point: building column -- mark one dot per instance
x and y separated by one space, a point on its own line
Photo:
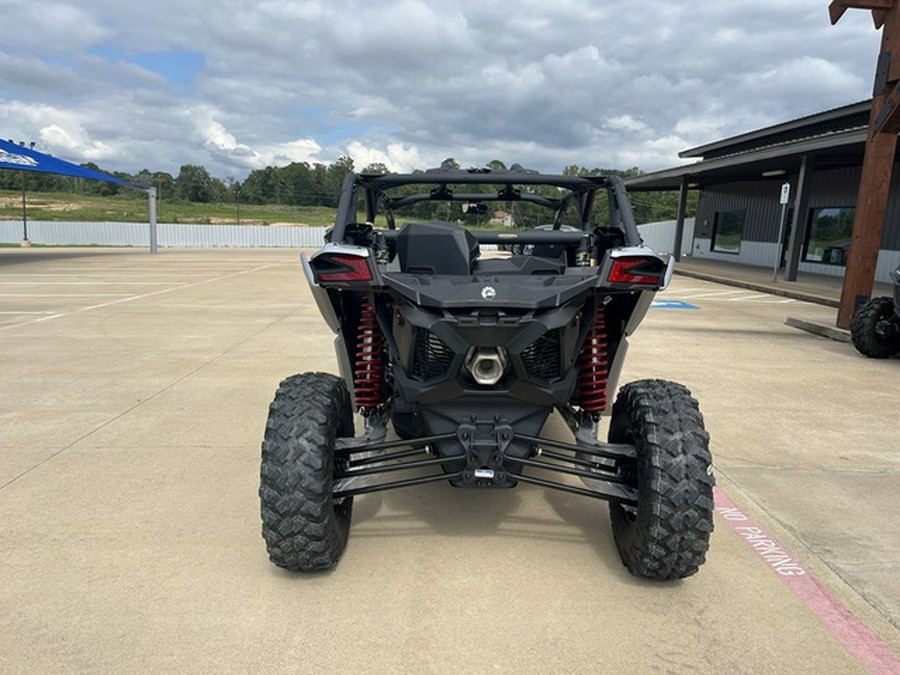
798 230
878 161
679 222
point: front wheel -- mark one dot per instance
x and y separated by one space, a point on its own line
872 331
666 536
304 527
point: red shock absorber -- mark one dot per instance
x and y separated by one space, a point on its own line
594 375
369 371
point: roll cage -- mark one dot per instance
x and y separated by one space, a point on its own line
577 191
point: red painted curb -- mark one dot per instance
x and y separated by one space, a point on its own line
843 624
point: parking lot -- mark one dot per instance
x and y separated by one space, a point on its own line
133 397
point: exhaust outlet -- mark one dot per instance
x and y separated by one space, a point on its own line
486 365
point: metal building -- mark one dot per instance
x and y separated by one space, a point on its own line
741 182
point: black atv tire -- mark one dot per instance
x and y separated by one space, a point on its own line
304 529
864 329
666 536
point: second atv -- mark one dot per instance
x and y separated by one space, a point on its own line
875 329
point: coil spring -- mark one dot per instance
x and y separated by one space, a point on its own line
368 379
594 375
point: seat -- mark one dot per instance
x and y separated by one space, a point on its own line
436 247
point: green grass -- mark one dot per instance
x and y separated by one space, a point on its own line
133 208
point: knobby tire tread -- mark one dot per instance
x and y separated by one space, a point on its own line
668 537
303 528
862 329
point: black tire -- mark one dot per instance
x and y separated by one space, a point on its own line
304 529
866 329
666 536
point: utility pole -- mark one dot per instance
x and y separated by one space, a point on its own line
878 163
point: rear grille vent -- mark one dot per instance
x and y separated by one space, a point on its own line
432 358
542 357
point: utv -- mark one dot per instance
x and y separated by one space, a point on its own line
464 352
875 329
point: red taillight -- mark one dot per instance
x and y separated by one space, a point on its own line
341 267
643 271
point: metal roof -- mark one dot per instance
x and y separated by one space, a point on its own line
835 138
833 120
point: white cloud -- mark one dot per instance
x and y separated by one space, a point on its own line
410 82
396 157
50 27
73 140
806 74
53 130
661 151
300 150
625 123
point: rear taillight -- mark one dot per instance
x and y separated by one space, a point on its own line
637 271
341 267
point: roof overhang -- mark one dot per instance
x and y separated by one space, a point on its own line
833 150
835 114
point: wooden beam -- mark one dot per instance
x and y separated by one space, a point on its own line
888 119
837 8
871 208
874 187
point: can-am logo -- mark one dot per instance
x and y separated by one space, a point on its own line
21 160
488 292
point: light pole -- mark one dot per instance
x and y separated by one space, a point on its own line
25 242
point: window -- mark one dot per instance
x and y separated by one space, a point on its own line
728 231
829 235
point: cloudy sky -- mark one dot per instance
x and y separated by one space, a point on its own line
236 85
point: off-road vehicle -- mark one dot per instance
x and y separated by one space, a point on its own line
454 355
875 329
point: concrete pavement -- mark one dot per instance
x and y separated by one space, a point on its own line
818 289
133 396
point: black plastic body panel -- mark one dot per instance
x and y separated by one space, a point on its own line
436 248
443 305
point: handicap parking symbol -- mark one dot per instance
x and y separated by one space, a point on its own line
672 304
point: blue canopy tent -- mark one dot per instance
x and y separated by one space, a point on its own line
22 158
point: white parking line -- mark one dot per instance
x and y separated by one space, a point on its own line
124 272
131 298
74 271
682 290
749 297
66 295
83 283
710 295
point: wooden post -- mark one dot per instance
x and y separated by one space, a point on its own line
878 163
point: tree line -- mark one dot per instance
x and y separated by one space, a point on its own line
305 184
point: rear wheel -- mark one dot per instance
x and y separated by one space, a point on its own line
666 536
304 528
872 331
